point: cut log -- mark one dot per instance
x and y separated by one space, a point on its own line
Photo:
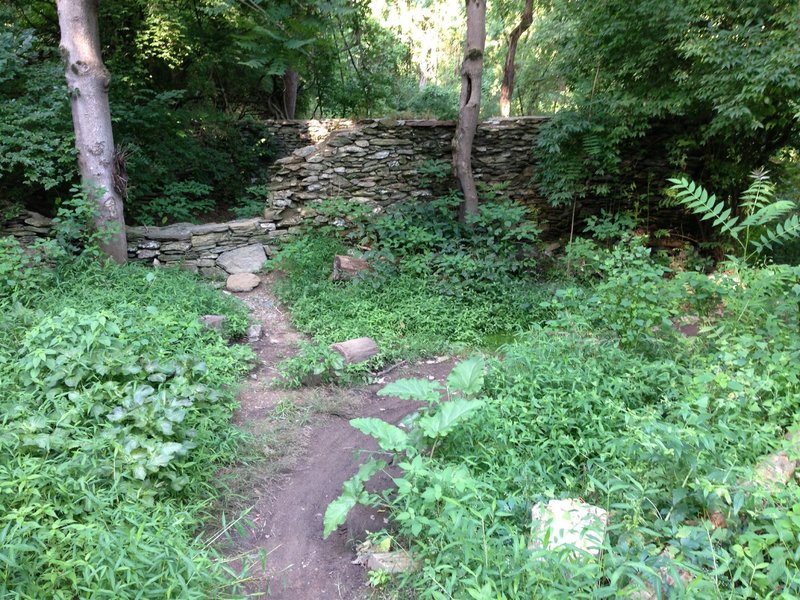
356 350
347 267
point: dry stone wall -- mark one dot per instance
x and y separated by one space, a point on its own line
378 162
211 249
291 135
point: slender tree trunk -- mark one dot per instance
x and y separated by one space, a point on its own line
87 82
470 105
291 80
509 68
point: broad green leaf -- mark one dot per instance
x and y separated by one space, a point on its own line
447 416
336 514
467 376
389 437
413 389
352 492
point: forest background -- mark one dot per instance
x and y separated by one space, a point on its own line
638 92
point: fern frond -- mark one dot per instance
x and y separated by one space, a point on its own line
783 232
758 195
768 214
697 199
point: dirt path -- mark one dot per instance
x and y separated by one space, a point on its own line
310 450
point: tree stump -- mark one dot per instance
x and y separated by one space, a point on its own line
356 350
346 268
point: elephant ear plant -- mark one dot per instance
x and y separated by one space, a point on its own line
443 410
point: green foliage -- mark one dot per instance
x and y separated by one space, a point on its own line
114 410
21 274
182 201
607 402
36 140
426 427
313 364
419 299
491 251
207 164
761 224
697 85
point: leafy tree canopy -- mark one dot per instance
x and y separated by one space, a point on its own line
710 86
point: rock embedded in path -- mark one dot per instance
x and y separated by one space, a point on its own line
356 350
242 282
247 259
254 332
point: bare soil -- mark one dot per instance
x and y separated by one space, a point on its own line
308 450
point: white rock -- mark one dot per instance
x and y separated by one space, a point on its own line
569 522
247 259
242 282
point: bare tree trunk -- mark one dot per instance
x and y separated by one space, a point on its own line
291 80
87 82
470 105
509 68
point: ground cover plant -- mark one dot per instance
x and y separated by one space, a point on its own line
603 398
114 414
435 284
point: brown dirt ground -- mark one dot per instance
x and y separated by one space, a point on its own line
309 450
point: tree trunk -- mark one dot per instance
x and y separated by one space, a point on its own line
291 80
470 105
87 82
509 68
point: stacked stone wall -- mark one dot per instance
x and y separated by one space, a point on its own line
209 249
381 161
375 162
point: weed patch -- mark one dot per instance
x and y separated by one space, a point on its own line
607 402
436 285
114 408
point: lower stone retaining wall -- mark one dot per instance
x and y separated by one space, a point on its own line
213 249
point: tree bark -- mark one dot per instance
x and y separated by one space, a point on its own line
509 68
470 105
87 82
291 80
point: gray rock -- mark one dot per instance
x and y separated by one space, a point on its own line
247 259
208 240
242 282
213 321
244 225
36 220
305 151
209 228
254 332
176 246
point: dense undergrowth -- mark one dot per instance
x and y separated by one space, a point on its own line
436 284
115 406
600 396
